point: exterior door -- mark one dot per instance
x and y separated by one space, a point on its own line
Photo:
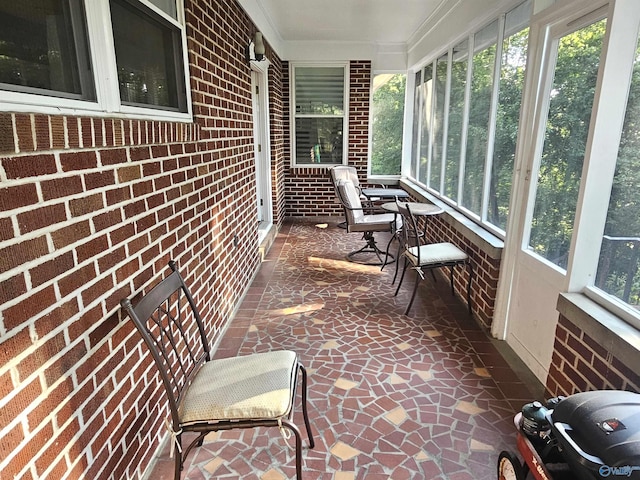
542 240
262 147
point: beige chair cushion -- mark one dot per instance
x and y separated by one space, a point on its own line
435 253
373 223
345 172
351 198
357 221
255 386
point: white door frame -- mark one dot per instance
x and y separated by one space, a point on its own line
262 146
540 67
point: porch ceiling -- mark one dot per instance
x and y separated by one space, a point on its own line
370 21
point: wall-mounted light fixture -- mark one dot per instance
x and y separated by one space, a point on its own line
255 49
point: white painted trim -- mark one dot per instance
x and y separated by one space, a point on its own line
260 78
407 127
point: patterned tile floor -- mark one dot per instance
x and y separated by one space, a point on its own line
425 396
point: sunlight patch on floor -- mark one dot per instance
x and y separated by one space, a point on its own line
297 309
345 265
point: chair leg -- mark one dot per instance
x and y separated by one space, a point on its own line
305 413
453 290
415 290
404 269
178 458
370 247
398 253
386 252
470 268
296 433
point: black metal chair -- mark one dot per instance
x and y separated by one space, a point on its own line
211 395
423 257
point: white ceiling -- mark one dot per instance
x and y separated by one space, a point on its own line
394 34
370 21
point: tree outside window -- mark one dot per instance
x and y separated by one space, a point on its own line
388 116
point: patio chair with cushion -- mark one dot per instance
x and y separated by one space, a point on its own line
366 220
340 173
206 395
423 257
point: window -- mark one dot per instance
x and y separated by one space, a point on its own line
455 139
387 122
483 66
439 123
54 54
319 116
617 275
425 134
416 127
469 104
148 57
512 69
44 49
567 128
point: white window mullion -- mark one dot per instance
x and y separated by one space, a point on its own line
185 54
445 122
421 103
407 124
432 116
102 54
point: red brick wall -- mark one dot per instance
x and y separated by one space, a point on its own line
486 270
91 210
308 191
580 363
278 105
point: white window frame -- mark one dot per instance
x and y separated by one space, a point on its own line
292 115
105 75
614 81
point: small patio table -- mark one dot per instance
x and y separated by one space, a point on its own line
375 193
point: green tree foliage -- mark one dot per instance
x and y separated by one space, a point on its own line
567 128
388 115
512 71
456 119
618 267
477 131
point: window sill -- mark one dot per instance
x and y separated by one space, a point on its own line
613 333
307 166
486 241
41 104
